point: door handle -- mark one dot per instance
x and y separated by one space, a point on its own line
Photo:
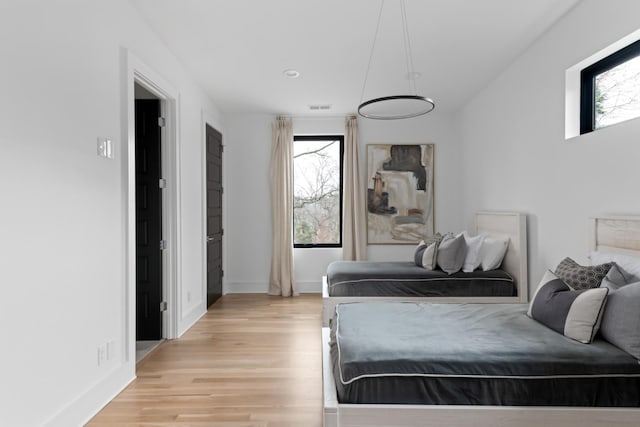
210 239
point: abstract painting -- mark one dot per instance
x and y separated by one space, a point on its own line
399 193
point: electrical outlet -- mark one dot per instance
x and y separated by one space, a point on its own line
102 354
111 348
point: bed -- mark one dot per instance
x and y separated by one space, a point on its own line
610 234
363 280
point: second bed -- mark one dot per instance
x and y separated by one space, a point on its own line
351 281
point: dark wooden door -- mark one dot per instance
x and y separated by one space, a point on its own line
148 221
214 215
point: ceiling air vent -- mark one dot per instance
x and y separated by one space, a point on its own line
320 107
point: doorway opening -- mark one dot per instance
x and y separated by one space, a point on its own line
150 244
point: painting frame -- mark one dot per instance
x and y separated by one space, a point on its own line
400 199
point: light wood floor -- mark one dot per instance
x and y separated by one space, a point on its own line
253 360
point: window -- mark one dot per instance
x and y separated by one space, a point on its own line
317 191
610 90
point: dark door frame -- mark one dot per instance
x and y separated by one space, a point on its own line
138 72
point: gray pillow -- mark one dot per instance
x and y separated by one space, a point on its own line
580 276
574 314
451 253
617 277
621 319
426 255
419 253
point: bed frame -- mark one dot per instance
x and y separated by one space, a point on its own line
611 234
615 234
495 224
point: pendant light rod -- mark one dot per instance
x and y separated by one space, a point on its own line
408 54
373 45
395 106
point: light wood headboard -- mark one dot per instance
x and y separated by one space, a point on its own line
514 226
615 234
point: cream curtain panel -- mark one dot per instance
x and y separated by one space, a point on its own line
354 246
281 280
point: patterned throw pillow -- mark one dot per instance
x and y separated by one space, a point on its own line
574 314
582 277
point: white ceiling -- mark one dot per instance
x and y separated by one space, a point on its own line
237 49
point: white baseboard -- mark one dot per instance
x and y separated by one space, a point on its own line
189 319
86 406
304 287
309 287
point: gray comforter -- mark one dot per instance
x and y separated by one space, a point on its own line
396 279
404 352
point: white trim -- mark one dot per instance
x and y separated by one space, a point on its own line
80 410
309 286
188 319
248 287
304 287
138 72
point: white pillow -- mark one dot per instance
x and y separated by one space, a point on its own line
492 252
628 263
474 244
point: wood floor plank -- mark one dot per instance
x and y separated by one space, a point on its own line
251 361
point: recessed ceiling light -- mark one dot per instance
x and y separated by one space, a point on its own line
291 73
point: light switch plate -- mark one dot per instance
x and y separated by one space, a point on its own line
105 148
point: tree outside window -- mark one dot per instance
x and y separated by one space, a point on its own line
317 191
617 96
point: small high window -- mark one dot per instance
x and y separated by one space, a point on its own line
610 90
317 191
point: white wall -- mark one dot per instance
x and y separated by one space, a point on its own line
247 212
248 234
515 154
62 211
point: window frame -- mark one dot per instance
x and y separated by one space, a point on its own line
333 137
588 79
